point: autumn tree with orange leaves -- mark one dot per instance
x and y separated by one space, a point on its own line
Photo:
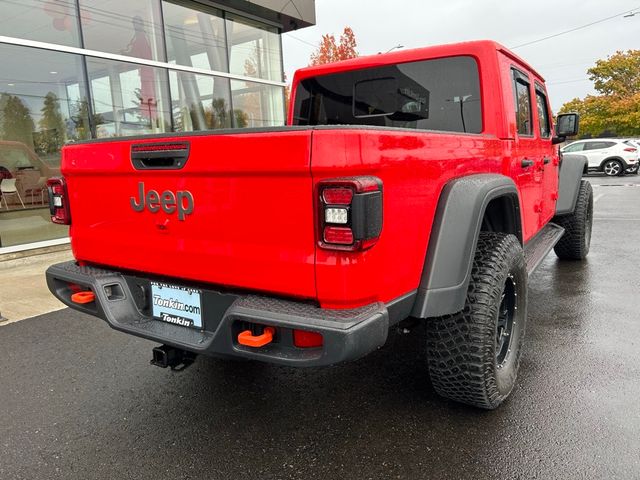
615 110
331 51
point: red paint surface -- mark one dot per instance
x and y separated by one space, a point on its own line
254 223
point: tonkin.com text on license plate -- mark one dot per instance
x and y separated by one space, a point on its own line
177 305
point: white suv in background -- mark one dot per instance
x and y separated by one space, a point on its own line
613 156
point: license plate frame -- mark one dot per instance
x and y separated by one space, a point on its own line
177 305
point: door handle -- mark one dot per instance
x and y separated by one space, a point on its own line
526 163
547 160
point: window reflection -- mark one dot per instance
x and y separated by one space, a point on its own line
43 105
195 38
199 102
125 27
254 49
42 100
52 21
128 99
257 105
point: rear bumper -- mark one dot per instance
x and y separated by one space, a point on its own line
347 334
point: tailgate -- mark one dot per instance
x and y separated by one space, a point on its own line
238 213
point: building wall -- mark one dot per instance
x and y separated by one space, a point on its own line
79 69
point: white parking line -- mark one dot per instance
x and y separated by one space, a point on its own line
598 197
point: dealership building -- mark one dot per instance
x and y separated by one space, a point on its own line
74 70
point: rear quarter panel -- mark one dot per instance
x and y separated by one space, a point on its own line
414 167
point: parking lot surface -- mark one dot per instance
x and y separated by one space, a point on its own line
78 400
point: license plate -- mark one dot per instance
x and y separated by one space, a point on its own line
177 305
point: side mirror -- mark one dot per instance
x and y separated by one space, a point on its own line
566 126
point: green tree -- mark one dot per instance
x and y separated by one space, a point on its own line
16 123
616 108
218 115
80 119
52 125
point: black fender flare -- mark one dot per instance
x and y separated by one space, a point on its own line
453 240
571 169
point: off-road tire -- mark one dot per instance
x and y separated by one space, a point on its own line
575 243
462 349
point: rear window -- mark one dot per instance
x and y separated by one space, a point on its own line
14 159
441 94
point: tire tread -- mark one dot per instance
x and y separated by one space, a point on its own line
461 347
572 245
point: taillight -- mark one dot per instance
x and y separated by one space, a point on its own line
350 216
629 149
58 201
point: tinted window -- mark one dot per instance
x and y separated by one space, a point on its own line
543 113
598 145
574 147
522 102
441 94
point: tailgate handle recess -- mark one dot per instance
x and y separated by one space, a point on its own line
159 156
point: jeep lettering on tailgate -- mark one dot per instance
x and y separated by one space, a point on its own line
422 185
169 202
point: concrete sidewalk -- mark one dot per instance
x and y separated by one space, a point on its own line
23 288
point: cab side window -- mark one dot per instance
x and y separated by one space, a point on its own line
543 112
522 101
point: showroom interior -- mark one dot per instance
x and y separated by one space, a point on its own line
76 70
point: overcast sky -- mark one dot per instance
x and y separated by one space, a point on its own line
563 61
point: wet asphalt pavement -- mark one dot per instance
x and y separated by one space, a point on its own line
80 401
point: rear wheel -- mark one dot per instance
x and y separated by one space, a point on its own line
612 168
576 241
474 355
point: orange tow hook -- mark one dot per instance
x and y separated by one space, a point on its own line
247 339
83 297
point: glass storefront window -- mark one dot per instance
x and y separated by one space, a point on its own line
199 102
195 38
43 105
49 98
124 27
128 99
257 105
254 49
51 21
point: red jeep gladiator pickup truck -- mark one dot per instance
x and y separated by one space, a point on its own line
420 184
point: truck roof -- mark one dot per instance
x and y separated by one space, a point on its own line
403 56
